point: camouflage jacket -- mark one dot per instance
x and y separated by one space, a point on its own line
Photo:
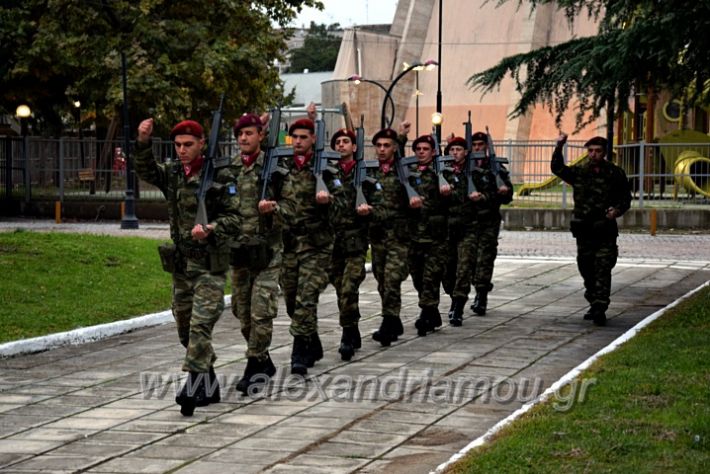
180 192
429 223
462 212
487 210
594 192
248 181
306 223
344 216
390 214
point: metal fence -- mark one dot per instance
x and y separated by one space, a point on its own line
676 175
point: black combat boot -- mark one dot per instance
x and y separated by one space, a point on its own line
452 307
598 315
429 320
456 315
589 315
256 371
390 328
480 303
250 370
212 389
347 343
357 338
192 393
315 349
300 355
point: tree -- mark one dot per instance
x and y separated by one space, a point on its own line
663 44
319 51
181 56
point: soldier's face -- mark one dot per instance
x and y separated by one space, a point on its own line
384 148
479 145
249 139
458 152
596 153
424 152
302 140
188 147
345 147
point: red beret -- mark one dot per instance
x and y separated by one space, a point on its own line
247 120
423 139
384 133
187 127
596 141
343 132
479 136
456 141
304 123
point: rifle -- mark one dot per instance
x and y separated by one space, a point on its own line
321 158
361 166
273 153
403 172
440 161
471 157
494 160
212 162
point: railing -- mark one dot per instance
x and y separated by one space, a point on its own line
660 174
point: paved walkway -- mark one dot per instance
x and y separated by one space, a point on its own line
109 406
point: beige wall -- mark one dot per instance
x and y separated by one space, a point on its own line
476 35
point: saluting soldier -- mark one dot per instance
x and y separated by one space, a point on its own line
256 252
601 194
389 234
308 246
199 258
347 269
487 201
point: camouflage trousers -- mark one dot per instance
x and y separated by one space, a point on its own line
427 262
346 274
198 302
255 303
595 260
389 265
304 275
457 278
483 253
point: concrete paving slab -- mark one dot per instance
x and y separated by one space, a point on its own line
83 407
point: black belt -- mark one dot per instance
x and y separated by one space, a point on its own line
195 253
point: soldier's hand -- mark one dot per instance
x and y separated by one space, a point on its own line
265 118
311 110
562 139
405 127
364 209
503 190
612 213
267 207
416 202
323 197
145 130
445 190
476 196
200 232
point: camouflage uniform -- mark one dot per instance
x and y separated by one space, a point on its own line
427 254
200 274
347 269
308 246
487 219
461 237
256 260
389 242
594 192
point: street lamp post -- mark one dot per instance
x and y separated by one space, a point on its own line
428 65
23 112
438 81
129 220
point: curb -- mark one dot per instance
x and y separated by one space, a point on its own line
564 380
88 334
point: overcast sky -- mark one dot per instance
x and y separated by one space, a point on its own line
349 13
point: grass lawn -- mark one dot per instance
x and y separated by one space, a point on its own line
648 412
55 282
